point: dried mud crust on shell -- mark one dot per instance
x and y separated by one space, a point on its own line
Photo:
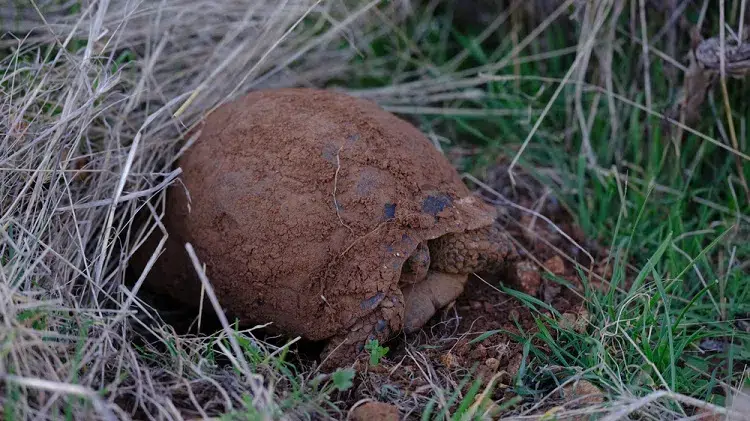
304 205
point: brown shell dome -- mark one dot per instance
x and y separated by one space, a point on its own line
304 205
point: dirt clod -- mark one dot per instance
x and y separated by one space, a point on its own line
492 363
555 265
375 411
527 277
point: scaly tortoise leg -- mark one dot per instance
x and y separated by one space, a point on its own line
484 249
381 324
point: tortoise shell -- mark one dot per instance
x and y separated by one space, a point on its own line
304 205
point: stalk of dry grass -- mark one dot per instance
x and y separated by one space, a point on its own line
90 129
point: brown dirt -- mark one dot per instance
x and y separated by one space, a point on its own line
304 205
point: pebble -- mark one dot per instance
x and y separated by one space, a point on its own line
583 392
492 363
555 265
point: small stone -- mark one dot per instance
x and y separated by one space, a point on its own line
555 265
475 305
492 363
527 277
375 411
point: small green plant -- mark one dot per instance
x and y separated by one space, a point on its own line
376 351
342 379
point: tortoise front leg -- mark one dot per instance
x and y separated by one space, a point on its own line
381 324
484 249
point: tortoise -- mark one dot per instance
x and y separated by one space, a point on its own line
326 215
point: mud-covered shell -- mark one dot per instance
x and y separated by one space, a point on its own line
303 205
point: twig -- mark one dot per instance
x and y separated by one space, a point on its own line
654 396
